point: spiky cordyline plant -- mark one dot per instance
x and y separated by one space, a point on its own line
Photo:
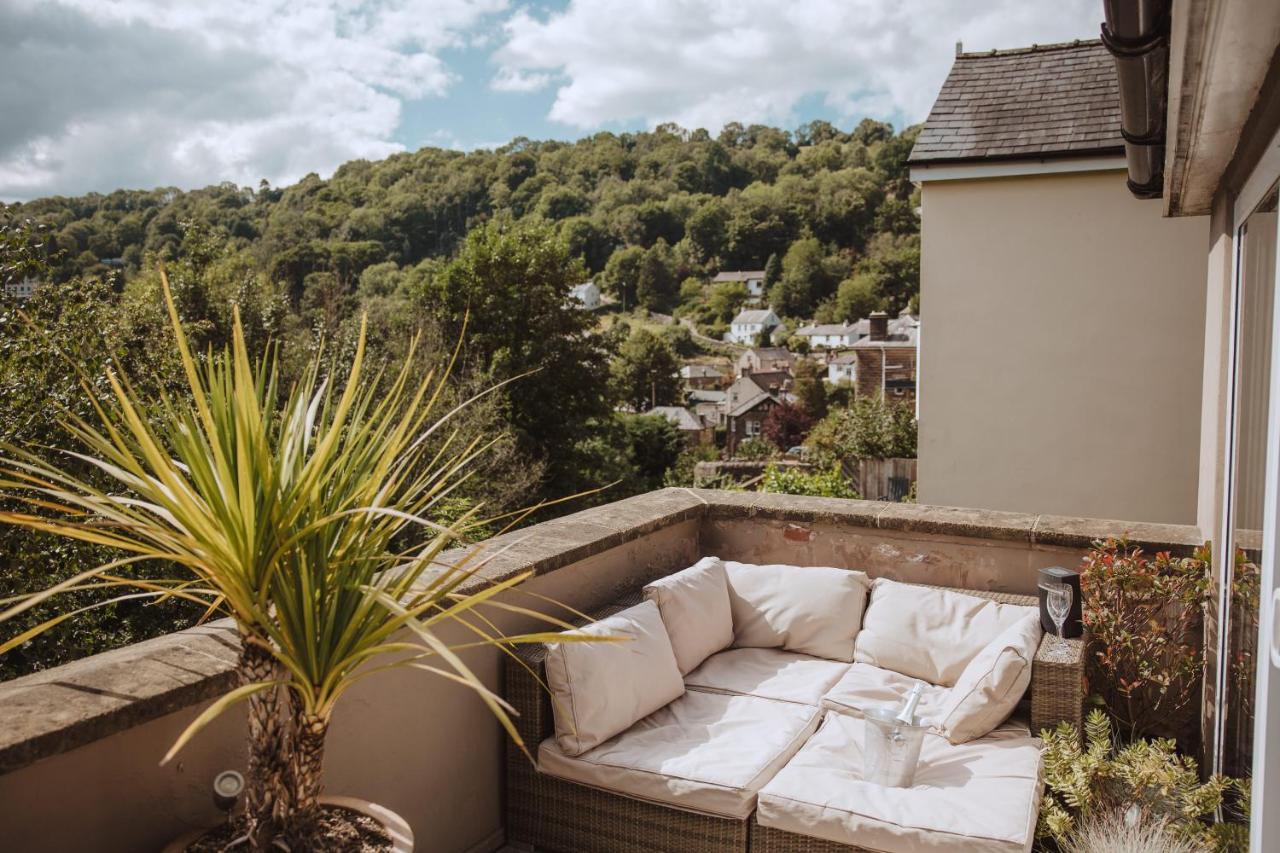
286 516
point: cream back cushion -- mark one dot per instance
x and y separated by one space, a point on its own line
929 633
991 685
694 604
814 610
600 689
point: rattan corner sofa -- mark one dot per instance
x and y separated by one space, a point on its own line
759 746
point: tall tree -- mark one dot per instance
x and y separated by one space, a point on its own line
646 372
509 287
809 390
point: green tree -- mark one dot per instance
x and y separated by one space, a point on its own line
509 288
655 444
622 274
856 298
656 278
646 372
869 428
893 262
809 389
772 271
804 281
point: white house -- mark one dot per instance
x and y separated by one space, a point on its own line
842 368
830 335
748 324
21 289
753 279
586 295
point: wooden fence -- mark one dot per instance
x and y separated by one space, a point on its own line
881 479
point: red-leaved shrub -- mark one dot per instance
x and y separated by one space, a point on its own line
1145 616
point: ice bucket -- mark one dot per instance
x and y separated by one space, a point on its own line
892 748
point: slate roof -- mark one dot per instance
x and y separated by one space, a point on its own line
678 415
827 329
700 371
758 316
1054 100
744 395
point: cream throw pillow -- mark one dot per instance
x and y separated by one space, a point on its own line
600 689
992 684
929 633
694 604
814 610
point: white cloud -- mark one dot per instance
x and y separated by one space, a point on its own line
105 93
702 63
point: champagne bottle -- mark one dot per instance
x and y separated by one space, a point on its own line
907 716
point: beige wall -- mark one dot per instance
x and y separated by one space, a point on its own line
1062 354
424 747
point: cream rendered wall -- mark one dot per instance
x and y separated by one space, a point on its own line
1062 368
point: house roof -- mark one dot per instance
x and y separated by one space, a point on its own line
750 403
738 275
758 315
770 354
706 395
827 329
678 415
844 358
744 395
706 371
1042 101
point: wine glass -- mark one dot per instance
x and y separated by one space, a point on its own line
1057 600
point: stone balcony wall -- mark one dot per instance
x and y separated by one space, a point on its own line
80 744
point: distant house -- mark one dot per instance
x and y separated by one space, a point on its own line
689 424
829 335
708 404
749 324
701 376
884 362
746 406
587 295
765 360
842 368
21 289
753 279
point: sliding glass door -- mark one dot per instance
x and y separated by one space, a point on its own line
1245 683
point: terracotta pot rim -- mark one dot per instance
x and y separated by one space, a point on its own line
396 827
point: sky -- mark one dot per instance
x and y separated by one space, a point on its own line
97 95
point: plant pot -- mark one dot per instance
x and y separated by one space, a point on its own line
396 828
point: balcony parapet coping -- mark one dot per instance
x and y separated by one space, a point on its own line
59 709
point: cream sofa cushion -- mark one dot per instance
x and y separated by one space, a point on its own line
929 633
704 752
694 604
599 689
978 797
767 673
809 609
865 686
992 684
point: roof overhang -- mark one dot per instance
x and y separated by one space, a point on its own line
1220 56
972 170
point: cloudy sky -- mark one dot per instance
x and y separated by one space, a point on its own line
100 94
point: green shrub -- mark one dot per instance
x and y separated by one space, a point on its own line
791 481
755 449
681 473
869 428
1145 778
